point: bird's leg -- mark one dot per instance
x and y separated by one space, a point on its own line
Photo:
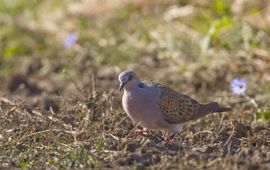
139 132
169 138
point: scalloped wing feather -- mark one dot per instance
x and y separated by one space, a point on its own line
177 107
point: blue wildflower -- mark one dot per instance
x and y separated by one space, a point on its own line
238 86
70 40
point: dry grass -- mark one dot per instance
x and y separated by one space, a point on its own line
91 130
59 108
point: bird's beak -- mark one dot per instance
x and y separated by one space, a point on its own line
122 86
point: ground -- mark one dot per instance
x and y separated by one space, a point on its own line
60 107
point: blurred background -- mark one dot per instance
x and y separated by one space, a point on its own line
194 46
51 51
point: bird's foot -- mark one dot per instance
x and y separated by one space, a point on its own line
139 132
169 138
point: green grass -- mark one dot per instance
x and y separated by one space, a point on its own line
264 115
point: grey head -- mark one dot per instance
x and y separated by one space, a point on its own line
127 79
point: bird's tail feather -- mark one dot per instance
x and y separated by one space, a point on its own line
223 109
215 107
205 109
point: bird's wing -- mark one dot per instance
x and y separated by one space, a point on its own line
176 107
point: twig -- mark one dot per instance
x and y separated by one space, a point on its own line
212 163
20 109
221 120
205 131
75 84
16 107
5 100
226 143
134 128
123 119
93 86
114 137
49 130
85 121
251 100
200 132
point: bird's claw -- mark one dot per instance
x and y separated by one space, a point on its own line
169 138
138 132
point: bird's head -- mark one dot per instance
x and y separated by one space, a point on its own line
127 79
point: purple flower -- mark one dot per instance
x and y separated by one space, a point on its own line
238 86
70 40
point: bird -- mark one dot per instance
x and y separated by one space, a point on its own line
158 107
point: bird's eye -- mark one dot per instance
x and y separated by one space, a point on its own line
141 85
129 77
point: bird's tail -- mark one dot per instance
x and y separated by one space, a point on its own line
205 109
214 107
